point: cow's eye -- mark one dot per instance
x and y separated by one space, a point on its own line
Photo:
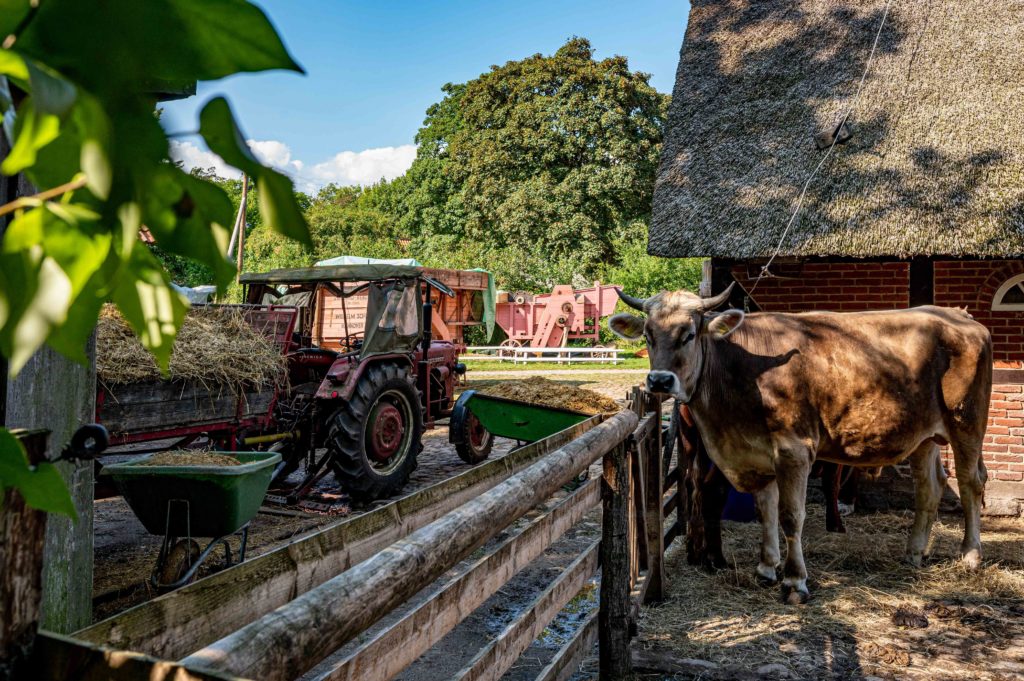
686 338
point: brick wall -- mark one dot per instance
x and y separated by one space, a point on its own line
973 284
849 287
839 287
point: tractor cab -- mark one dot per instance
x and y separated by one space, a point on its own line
364 365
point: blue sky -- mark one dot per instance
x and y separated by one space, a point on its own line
374 67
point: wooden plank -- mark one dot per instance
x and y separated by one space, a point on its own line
61 658
396 648
568 659
670 504
670 479
295 637
501 653
177 623
655 518
638 462
614 614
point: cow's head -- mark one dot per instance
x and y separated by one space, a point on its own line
677 328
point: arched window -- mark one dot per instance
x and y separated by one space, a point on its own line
1010 296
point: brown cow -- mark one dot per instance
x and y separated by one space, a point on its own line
773 392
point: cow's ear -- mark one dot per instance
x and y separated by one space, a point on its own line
627 326
725 323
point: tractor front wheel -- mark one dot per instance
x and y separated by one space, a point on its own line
377 435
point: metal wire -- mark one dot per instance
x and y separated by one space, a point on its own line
835 140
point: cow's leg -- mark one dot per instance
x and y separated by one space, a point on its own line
768 508
970 477
716 493
831 475
793 465
929 481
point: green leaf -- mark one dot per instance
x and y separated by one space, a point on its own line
52 94
13 66
11 14
32 131
42 488
276 196
190 217
125 45
147 301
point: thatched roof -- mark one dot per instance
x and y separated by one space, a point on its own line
936 162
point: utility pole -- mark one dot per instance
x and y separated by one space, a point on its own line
242 208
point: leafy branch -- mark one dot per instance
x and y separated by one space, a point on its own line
78 87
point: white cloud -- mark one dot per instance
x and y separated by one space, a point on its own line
194 157
364 167
345 168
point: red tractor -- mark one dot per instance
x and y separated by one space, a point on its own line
366 378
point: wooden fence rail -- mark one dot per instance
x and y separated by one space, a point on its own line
279 615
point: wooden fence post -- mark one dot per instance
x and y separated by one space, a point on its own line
21 568
654 511
615 611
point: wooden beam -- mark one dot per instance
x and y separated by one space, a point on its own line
173 625
568 659
670 504
655 519
614 614
501 653
62 658
290 640
393 650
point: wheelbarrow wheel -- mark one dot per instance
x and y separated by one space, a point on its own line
376 436
476 441
180 558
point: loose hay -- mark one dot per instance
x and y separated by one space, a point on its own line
539 390
187 458
215 346
861 588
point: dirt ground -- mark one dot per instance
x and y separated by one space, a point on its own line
871 614
125 553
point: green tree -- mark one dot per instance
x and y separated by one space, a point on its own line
537 165
77 82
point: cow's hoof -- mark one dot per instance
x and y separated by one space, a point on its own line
795 594
971 558
719 563
839 528
915 559
766 575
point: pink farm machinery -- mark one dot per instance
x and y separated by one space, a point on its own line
551 320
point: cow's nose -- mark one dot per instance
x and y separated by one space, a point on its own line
660 382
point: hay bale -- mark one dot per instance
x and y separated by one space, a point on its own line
539 390
215 346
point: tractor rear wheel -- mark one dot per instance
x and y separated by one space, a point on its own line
376 436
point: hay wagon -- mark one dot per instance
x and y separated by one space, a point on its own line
364 380
184 411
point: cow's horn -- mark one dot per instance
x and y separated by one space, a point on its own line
714 301
635 303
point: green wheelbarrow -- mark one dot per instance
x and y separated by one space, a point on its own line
182 502
477 418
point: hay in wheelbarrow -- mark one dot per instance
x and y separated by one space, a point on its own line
539 390
215 346
191 458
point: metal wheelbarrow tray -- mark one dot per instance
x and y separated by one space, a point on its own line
522 421
182 502
220 499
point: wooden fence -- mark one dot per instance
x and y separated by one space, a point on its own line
279 615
